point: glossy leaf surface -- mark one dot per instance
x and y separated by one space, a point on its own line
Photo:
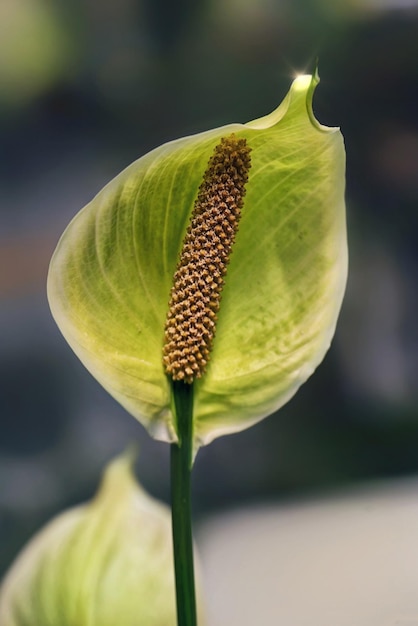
111 275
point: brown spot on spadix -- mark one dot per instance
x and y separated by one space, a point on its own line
199 277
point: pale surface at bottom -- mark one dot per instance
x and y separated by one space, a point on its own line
344 561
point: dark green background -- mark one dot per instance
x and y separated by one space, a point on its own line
132 75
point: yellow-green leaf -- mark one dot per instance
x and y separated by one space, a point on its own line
111 275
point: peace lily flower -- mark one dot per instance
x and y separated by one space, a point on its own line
105 563
218 259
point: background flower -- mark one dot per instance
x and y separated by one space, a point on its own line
106 562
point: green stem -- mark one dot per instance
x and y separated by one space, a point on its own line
181 465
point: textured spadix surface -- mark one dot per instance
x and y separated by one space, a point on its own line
105 563
110 277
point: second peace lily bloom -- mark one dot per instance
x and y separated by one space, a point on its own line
108 562
112 274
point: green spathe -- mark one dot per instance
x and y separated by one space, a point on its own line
106 563
110 277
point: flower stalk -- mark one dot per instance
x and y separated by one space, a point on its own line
181 467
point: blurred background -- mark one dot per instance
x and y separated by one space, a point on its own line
86 87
